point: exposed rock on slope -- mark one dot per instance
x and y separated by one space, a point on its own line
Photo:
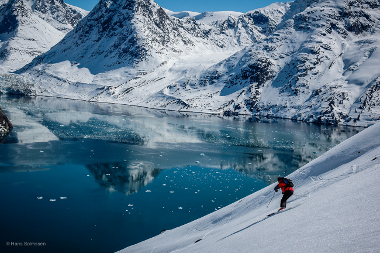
5 125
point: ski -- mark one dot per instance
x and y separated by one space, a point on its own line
275 212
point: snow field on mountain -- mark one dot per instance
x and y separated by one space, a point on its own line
335 208
63 79
33 39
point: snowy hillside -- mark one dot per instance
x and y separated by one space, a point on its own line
29 28
309 60
136 37
320 65
110 47
335 208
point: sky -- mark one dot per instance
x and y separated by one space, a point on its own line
193 5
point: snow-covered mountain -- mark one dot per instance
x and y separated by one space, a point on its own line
29 28
139 36
320 65
324 214
310 60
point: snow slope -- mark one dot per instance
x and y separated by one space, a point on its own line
319 65
137 36
335 208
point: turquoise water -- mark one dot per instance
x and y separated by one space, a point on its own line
83 177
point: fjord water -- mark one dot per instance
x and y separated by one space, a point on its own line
88 177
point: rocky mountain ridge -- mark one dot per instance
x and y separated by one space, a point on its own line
318 66
133 33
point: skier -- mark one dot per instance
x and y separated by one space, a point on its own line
287 191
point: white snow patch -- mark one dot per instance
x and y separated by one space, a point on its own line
32 131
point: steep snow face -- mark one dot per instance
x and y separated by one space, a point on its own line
29 28
320 65
323 215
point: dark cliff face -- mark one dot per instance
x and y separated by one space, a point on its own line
5 126
9 23
59 10
15 12
9 14
4 121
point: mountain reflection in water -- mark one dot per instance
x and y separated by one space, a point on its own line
124 178
58 131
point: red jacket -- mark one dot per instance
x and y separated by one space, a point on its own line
283 187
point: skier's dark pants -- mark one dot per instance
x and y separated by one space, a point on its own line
285 197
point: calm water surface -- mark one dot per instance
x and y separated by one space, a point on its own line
83 177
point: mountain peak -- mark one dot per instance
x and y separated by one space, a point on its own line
56 12
123 33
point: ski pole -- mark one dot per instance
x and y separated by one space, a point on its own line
271 199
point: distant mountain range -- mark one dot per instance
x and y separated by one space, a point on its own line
309 60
